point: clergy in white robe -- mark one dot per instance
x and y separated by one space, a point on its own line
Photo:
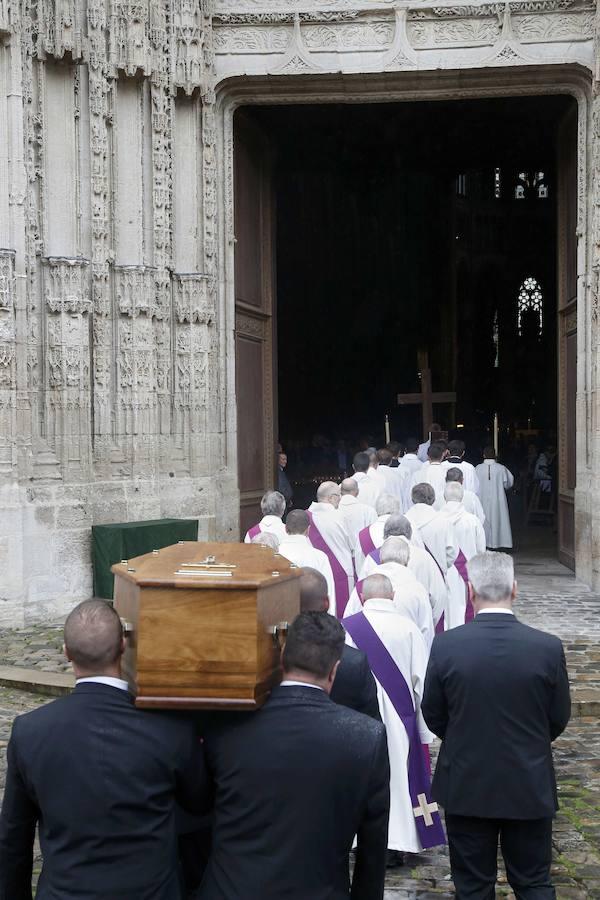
328 533
404 642
495 479
356 515
469 537
471 501
435 530
298 549
433 472
456 457
371 538
410 597
410 462
392 482
368 488
272 507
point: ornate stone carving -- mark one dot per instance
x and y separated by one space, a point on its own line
135 291
365 35
193 298
65 285
129 31
554 27
465 32
7 318
188 29
252 39
60 28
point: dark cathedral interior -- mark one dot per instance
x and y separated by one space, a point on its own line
412 226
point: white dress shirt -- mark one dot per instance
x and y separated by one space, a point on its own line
119 683
496 609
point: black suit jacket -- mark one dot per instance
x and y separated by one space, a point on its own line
101 778
295 782
354 685
497 694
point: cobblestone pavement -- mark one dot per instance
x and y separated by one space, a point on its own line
549 598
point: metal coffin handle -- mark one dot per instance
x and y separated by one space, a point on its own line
278 633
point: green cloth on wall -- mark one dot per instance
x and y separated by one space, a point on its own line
125 540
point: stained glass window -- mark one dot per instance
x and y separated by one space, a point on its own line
530 304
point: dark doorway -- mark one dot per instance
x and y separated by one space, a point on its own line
411 226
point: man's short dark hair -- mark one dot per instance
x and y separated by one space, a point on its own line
361 461
93 635
297 522
489 452
411 445
384 457
454 474
313 591
314 644
456 447
394 447
423 493
436 451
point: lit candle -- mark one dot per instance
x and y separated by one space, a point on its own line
387 429
496 433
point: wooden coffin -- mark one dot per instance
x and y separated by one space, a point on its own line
204 623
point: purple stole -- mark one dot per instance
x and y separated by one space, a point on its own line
439 627
389 676
376 555
460 564
252 532
366 541
340 577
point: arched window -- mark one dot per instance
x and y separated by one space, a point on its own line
530 305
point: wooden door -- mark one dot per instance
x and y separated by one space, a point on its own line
567 335
254 317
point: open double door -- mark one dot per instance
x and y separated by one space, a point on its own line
255 322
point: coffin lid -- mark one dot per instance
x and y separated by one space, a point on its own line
252 566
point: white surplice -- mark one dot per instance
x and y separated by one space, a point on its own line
435 532
427 573
472 504
410 463
271 524
495 480
376 533
356 515
470 539
299 550
422 451
369 488
470 479
330 523
410 598
435 475
405 644
393 483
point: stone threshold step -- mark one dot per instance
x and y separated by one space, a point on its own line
57 684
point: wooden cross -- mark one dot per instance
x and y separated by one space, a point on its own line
426 398
425 809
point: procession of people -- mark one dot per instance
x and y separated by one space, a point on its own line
406 636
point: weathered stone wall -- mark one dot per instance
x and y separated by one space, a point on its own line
116 245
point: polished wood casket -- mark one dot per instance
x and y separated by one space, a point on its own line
204 623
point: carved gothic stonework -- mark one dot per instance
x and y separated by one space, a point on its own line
192 298
135 291
60 28
189 29
7 318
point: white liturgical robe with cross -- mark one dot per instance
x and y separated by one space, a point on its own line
356 515
494 481
270 524
330 523
435 475
436 533
299 550
405 644
469 536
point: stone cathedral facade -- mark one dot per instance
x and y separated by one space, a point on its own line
117 301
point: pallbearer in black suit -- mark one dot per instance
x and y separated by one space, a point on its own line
354 685
497 694
295 781
101 778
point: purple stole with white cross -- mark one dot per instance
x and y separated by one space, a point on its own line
366 541
252 532
391 679
460 564
340 577
439 627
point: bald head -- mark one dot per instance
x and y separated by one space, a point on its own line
377 586
349 486
94 638
329 492
313 591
